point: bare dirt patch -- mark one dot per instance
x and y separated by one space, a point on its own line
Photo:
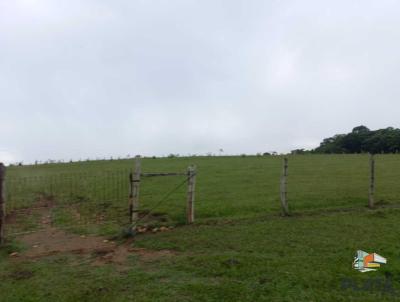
50 240
42 206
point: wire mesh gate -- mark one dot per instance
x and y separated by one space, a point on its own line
95 202
79 201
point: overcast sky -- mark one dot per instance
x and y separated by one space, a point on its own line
87 78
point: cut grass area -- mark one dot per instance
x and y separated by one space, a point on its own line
305 258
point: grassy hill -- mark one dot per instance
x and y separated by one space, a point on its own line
239 249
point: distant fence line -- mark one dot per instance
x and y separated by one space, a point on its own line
129 157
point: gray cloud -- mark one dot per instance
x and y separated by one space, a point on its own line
99 78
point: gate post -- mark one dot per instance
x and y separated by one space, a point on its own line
2 203
371 181
134 194
283 191
191 172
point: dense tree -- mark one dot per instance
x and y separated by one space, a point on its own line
362 139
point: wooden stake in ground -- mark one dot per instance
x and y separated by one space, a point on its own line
191 172
371 181
284 202
135 185
2 203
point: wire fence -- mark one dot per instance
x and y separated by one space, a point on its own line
325 183
229 187
69 188
69 200
91 202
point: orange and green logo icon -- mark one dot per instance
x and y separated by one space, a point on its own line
365 262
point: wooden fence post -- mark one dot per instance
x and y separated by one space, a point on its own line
134 195
191 173
284 202
2 203
371 181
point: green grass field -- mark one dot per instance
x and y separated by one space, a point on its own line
239 249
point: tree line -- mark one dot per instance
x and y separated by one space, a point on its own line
360 140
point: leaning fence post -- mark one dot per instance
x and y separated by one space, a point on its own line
371 181
2 203
134 195
284 202
191 173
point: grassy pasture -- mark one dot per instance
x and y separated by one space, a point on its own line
239 249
